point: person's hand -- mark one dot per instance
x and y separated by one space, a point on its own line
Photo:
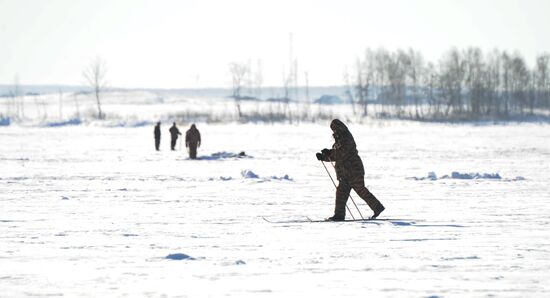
326 152
199 144
319 156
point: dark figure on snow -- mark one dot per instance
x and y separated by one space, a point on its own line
174 132
157 136
192 141
349 171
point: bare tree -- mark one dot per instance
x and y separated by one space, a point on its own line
396 69
287 81
415 72
308 102
542 75
37 104
60 104
381 58
365 72
75 97
474 75
430 81
348 91
95 77
507 81
452 77
493 84
17 98
258 79
238 74
520 82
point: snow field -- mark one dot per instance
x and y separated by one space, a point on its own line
89 211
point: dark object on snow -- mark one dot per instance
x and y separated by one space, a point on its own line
157 136
349 171
224 155
193 141
179 257
174 132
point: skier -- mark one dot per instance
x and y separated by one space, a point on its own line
349 171
157 136
174 132
192 141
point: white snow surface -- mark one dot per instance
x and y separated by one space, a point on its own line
91 211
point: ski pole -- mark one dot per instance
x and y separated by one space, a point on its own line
350 193
349 211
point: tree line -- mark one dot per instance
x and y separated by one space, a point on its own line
465 84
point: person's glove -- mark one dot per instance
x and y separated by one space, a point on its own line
319 156
325 152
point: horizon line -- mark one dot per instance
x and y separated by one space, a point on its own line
162 88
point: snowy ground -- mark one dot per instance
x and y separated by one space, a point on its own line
88 211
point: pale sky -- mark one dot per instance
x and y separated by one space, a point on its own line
187 44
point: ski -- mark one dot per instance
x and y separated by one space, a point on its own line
287 221
309 220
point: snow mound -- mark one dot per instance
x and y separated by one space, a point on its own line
251 175
179 257
466 176
224 155
248 174
5 121
75 121
457 175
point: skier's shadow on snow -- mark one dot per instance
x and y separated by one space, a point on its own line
411 223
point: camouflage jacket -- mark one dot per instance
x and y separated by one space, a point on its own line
192 136
344 152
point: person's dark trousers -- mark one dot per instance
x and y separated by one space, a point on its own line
173 143
193 151
157 144
342 194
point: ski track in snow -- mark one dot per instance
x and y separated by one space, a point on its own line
96 212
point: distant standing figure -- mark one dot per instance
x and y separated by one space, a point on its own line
174 132
192 141
157 136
